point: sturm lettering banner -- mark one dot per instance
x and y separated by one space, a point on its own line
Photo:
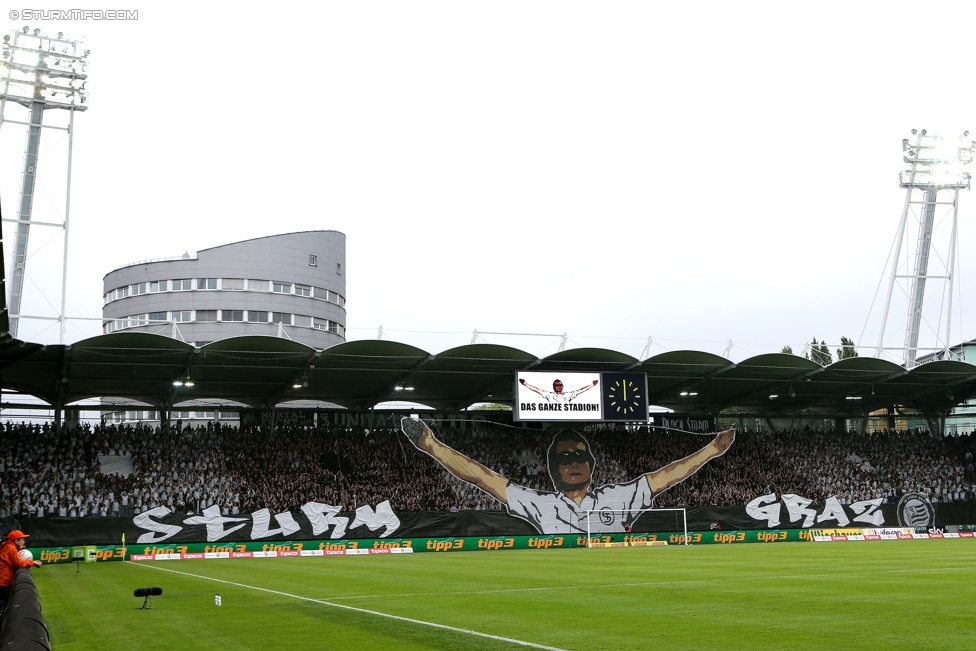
316 521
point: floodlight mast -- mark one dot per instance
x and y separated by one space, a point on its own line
40 72
936 164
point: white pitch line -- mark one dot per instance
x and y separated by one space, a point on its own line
358 610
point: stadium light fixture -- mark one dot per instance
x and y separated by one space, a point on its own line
936 164
937 161
33 76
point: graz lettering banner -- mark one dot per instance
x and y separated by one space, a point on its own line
317 521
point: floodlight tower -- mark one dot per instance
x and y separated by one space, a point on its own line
40 72
935 175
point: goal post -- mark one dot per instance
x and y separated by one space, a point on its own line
664 520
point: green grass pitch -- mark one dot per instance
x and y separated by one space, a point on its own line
911 594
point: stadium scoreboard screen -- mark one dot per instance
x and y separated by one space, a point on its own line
587 397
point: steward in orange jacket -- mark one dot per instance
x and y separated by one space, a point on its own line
10 560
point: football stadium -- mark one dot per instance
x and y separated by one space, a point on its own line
221 462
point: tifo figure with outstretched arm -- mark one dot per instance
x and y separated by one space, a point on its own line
557 394
571 469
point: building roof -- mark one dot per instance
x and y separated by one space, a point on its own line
262 371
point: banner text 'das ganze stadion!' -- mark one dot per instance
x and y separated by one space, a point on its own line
589 397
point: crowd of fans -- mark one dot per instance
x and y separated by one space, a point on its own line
48 474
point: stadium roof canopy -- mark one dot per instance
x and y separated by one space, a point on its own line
261 372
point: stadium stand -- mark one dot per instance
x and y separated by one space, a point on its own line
75 474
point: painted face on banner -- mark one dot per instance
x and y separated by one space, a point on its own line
574 462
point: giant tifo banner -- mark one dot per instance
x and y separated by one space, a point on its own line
321 522
570 504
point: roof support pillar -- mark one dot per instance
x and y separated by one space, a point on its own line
936 423
72 418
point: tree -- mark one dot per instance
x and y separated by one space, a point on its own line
787 350
846 349
819 353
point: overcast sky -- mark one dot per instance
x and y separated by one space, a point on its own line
692 172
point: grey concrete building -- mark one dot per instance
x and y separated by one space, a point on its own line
291 285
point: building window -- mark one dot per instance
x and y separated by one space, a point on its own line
302 321
232 283
281 317
313 260
303 290
182 285
232 315
206 315
122 292
139 288
159 286
157 317
257 285
338 268
256 316
206 283
182 317
281 288
333 327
